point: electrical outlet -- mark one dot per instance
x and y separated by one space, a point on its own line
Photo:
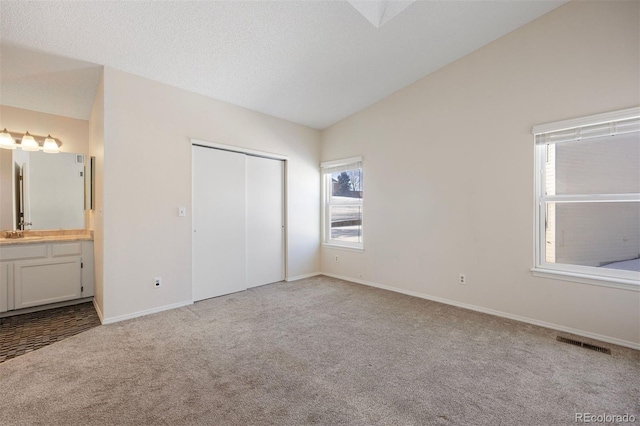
462 279
157 281
336 258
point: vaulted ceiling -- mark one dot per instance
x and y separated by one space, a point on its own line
310 62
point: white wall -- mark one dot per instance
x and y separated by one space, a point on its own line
72 133
147 176
96 216
448 169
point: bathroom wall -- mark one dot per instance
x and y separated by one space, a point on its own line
71 132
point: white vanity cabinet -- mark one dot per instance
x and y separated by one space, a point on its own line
44 273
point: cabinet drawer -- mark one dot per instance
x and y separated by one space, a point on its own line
66 249
27 251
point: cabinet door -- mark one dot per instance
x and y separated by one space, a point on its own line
46 281
87 269
4 286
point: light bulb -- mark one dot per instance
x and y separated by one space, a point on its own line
50 146
28 143
7 141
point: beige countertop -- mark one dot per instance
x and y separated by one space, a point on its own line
36 237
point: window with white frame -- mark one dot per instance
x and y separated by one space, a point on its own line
588 197
342 206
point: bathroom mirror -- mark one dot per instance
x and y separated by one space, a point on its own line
42 191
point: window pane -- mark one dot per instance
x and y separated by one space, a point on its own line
594 234
346 223
607 165
346 187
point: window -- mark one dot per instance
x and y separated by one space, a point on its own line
342 194
588 197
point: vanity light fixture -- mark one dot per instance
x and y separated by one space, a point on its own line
7 141
28 143
50 145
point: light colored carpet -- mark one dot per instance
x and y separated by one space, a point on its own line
316 351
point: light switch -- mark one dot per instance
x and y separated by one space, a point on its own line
182 211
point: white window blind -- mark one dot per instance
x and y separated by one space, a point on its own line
339 166
611 124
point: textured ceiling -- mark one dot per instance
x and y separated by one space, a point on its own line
311 62
47 83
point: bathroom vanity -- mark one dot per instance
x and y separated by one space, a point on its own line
45 269
46 250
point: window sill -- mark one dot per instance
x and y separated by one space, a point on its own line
620 283
341 247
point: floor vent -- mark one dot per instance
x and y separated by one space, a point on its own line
584 345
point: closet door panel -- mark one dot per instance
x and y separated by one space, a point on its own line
265 221
219 237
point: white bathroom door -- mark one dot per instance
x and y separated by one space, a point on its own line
219 234
265 221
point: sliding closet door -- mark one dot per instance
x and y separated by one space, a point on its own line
219 250
265 221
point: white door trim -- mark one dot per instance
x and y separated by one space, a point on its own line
241 150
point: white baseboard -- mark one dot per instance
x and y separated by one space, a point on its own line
602 338
301 277
146 312
46 307
98 311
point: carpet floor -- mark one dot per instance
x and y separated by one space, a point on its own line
317 351
21 334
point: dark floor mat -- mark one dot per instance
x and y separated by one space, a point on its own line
24 333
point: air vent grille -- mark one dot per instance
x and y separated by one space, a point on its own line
584 345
